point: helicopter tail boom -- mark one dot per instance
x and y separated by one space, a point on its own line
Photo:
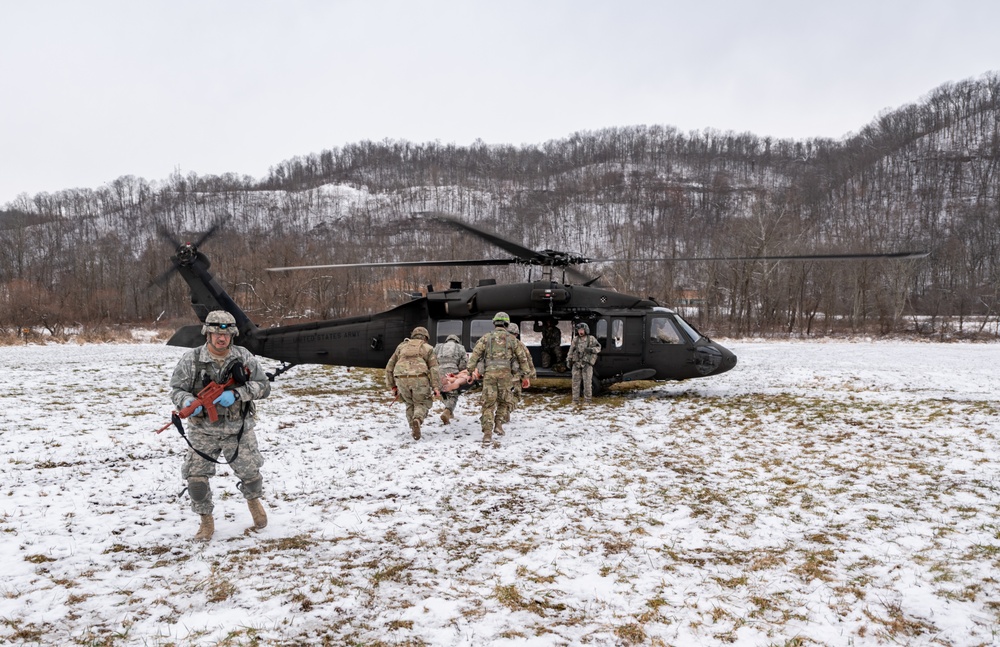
207 295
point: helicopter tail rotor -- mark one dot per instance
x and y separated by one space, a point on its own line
185 253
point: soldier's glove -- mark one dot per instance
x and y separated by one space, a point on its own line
187 403
226 399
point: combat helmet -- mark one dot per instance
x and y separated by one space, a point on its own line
454 338
501 319
220 321
420 331
513 329
582 326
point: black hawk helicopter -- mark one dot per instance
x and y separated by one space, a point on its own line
640 338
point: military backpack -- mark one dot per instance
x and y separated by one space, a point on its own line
411 359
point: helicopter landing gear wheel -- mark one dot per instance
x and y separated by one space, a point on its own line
597 387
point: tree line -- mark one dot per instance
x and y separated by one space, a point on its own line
921 177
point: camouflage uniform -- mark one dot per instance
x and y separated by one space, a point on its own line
581 357
452 358
497 350
219 438
551 344
515 370
412 371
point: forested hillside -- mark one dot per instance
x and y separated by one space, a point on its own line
921 177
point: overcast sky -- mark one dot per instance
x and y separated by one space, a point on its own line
95 90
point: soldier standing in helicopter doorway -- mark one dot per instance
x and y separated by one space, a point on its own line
412 375
497 351
581 357
551 344
231 436
452 359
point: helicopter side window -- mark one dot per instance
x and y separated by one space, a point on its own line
601 332
664 332
448 327
479 328
617 332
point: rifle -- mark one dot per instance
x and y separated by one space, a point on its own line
205 398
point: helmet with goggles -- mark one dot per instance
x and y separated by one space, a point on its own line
220 321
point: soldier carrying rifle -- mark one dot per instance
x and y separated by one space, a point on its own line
231 434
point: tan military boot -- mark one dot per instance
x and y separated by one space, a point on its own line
415 427
498 429
487 439
258 514
446 416
206 529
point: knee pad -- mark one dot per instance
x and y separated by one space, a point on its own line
198 489
253 488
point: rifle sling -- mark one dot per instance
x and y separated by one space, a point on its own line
244 408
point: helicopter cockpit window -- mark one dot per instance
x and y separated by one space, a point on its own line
448 327
664 332
689 329
479 328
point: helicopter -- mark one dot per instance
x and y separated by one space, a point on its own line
640 338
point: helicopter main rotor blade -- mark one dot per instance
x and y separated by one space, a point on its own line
468 263
507 245
793 257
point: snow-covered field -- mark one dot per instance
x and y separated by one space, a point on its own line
838 493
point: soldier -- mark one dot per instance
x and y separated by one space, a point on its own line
515 330
497 350
232 435
581 358
551 343
412 374
452 359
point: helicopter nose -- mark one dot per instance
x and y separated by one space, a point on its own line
727 361
712 359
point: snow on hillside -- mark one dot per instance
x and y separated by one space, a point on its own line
840 493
